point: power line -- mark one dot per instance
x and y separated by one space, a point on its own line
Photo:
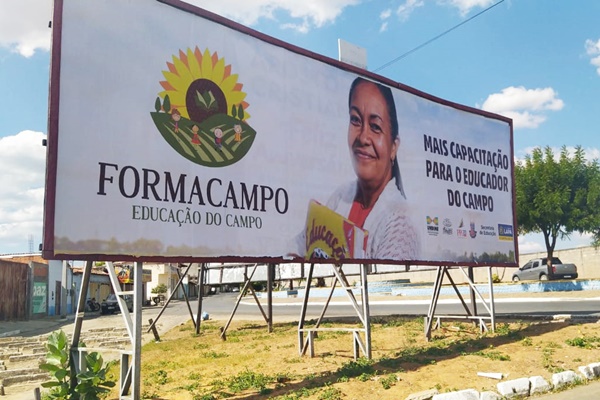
435 38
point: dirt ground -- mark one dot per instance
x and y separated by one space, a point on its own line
255 364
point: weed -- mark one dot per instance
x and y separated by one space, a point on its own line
206 396
201 346
160 377
356 368
389 381
492 355
503 329
526 341
548 362
191 387
330 393
194 376
214 354
584 342
149 394
249 380
298 394
365 377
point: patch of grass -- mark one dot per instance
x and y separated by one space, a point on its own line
492 355
548 362
526 341
365 377
298 394
249 380
214 354
584 342
330 393
160 377
356 368
194 376
198 368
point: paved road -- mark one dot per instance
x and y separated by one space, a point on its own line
221 305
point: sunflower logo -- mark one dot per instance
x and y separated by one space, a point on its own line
201 112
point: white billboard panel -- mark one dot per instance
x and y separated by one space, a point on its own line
211 142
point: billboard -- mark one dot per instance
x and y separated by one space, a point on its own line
212 142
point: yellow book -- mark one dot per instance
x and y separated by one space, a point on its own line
331 236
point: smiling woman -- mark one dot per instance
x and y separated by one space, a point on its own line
376 201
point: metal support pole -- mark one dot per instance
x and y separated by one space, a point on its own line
303 309
169 299
79 314
185 295
472 292
63 290
247 283
201 270
434 299
365 306
492 303
137 329
270 276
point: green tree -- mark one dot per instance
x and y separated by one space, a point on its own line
157 104
557 197
167 104
241 112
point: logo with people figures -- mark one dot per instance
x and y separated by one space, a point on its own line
202 112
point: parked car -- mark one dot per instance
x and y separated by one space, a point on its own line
111 305
538 269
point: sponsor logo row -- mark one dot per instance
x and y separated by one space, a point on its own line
437 226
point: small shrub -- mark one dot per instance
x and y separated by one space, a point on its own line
584 342
389 381
92 383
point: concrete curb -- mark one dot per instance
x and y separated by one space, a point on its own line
518 388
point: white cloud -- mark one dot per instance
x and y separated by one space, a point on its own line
385 14
527 245
24 25
406 9
527 107
22 194
593 50
534 243
383 27
310 13
465 6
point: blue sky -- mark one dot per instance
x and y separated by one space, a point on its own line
536 61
